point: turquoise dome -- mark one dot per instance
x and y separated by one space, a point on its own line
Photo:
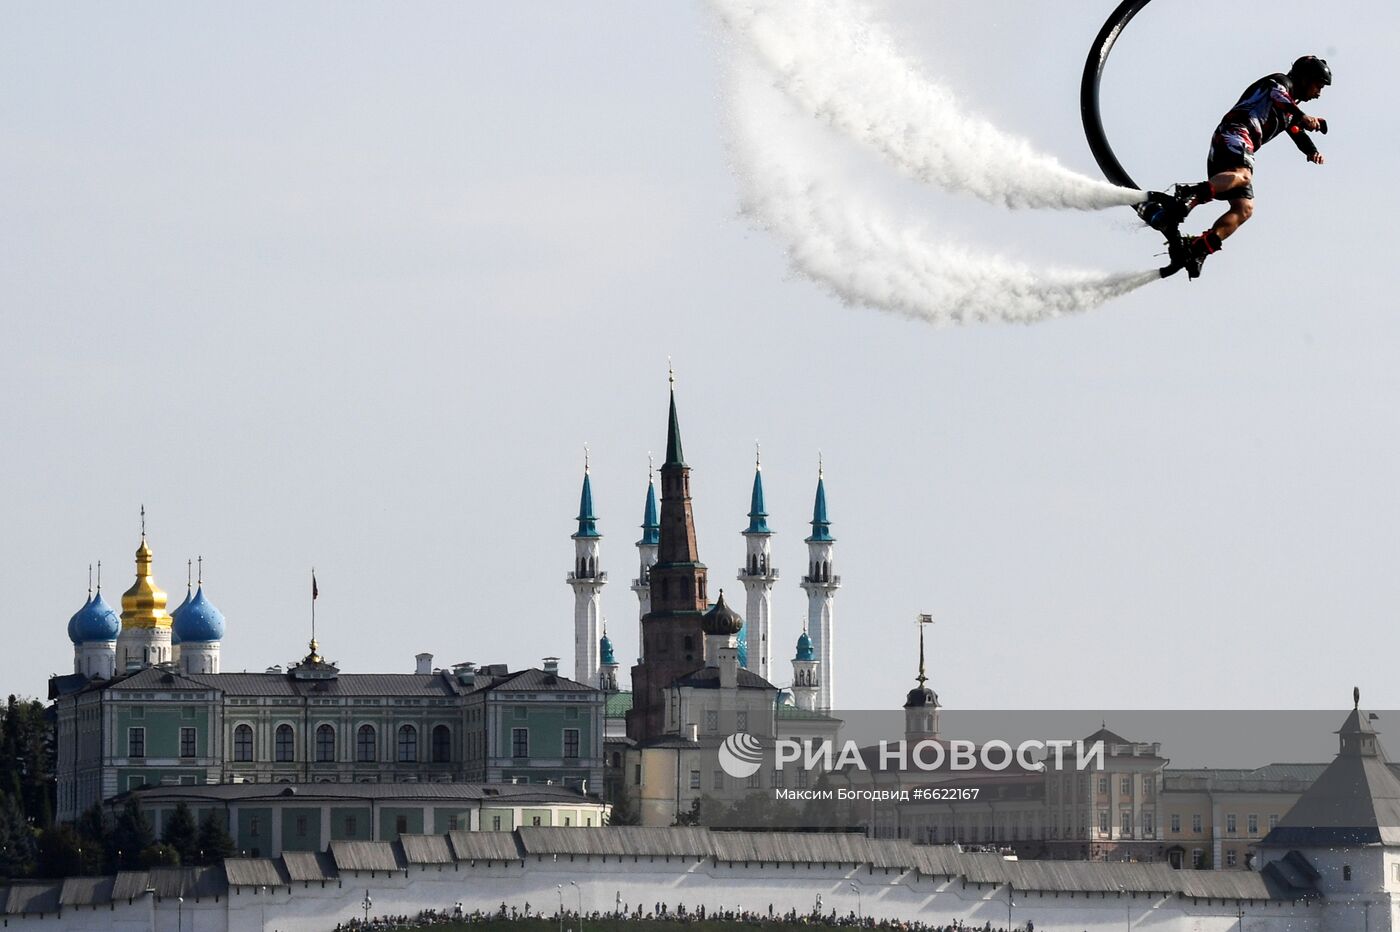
606 649
95 621
804 648
199 621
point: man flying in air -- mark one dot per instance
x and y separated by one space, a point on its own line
1268 107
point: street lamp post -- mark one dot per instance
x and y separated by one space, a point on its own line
1010 903
860 913
559 888
579 891
367 904
179 914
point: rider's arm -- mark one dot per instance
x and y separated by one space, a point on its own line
1302 140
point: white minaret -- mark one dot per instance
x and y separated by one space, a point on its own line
806 675
758 577
647 549
821 584
587 582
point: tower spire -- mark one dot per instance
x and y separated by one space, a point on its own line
587 582
587 521
675 456
820 584
759 577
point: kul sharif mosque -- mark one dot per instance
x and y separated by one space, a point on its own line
107 644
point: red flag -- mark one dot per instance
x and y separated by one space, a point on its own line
314 591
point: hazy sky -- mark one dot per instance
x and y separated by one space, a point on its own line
350 285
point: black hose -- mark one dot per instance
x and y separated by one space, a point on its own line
1089 92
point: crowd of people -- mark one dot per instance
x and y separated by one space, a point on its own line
457 917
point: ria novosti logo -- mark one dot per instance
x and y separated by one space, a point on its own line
740 755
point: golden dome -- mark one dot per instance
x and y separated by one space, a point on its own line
143 605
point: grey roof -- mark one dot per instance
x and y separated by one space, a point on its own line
786 847
306 866
631 840
426 849
33 898
1271 778
530 680
248 792
129 885
255 872
86 891
793 713
485 846
1356 800
435 685
367 856
196 882
708 678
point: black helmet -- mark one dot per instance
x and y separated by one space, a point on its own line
1310 68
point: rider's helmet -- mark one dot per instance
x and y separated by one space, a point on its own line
1310 68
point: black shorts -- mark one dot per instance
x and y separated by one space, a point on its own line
1231 148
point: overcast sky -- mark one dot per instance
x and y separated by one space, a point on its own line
351 285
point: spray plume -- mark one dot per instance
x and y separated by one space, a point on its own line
860 255
841 69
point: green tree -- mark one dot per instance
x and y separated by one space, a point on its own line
131 835
623 812
18 848
27 759
60 853
159 855
214 843
95 840
181 833
690 816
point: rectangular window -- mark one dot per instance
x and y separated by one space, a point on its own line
1253 823
520 742
695 779
1148 828
187 742
1103 785
1147 784
571 742
711 721
802 779
1127 786
756 781
741 721
1176 821
495 823
1125 821
1230 857
1196 822
1198 857
636 774
1230 824
452 823
777 779
136 742
534 820
1273 821
401 824
1103 821
718 780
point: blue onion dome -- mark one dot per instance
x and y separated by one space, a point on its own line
175 618
199 621
804 648
605 648
95 621
721 619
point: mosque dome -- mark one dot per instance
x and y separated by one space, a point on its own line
95 621
198 621
605 649
804 648
721 619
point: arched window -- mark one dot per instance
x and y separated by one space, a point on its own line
408 744
366 745
442 744
284 747
243 743
325 744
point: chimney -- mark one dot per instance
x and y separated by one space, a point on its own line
551 665
425 663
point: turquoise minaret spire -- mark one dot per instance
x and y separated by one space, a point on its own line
759 578
820 584
587 581
651 524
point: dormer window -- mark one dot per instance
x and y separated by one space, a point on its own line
1346 872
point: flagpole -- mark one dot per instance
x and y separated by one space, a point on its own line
313 604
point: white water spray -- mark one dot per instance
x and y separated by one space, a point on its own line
862 257
841 69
